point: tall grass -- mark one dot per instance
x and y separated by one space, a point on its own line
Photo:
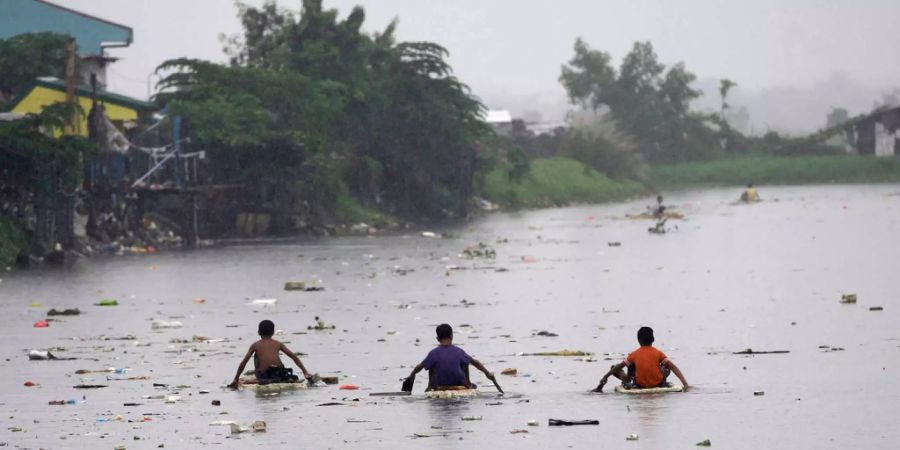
776 170
555 182
12 240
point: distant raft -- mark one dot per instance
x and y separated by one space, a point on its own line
649 216
455 393
657 390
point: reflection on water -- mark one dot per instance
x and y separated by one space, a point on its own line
767 277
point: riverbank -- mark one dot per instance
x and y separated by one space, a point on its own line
557 181
782 170
12 241
561 181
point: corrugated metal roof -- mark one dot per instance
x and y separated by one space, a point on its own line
498 116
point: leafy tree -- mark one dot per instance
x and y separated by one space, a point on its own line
725 86
25 57
649 102
836 116
310 104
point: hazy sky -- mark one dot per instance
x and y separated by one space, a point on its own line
510 51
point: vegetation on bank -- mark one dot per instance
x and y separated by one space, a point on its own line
765 169
555 181
12 241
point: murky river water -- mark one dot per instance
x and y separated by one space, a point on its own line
767 277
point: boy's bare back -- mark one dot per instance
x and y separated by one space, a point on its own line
266 351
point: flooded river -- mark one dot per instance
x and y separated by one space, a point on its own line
768 277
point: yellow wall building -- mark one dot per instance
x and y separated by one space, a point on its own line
47 91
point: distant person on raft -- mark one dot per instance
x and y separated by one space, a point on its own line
267 363
447 365
647 366
658 211
750 195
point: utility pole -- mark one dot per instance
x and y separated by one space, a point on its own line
70 85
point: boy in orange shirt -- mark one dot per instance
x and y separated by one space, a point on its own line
647 366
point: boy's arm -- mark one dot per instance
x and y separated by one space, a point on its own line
677 373
481 367
243 364
416 370
613 370
296 359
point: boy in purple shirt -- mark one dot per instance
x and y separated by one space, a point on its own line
447 365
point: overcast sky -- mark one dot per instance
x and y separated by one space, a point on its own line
510 51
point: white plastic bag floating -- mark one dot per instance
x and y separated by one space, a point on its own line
164 324
264 302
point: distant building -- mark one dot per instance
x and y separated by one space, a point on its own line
878 133
47 91
500 120
92 34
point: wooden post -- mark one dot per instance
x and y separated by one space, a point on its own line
70 85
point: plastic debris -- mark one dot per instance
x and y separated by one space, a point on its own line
529 259
41 324
509 371
545 333
330 380
256 426
38 355
30 384
704 443
430 234
759 393
216 403
559 353
348 387
848 298
518 431
471 418
294 286
562 422
614 244
107 302
65 312
750 351
631 437
876 308
164 324
264 302
533 423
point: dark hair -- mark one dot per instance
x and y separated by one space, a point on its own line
645 336
444 331
266 328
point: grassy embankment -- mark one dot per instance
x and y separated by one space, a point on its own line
560 181
783 170
12 240
555 182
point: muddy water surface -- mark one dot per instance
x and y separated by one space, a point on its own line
730 277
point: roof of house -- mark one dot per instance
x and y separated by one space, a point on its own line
85 91
35 16
496 116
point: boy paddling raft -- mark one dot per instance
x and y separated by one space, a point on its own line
267 363
648 367
447 366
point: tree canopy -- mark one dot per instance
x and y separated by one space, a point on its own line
313 103
25 57
648 101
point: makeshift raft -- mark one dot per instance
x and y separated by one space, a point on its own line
275 387
657 390
455 393
250 382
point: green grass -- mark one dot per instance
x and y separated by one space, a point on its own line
556 182
12 240
776 170
348 210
